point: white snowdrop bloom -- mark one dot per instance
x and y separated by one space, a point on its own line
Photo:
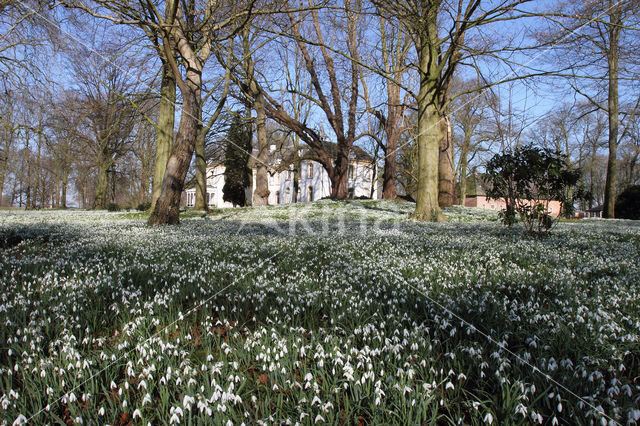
319 419
101 411
521 409
20 420
488 418
449 385
187 401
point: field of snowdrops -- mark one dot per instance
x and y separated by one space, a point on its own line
331 313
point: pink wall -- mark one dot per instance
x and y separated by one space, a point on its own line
485 203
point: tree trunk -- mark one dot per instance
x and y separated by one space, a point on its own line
65 182
261 191
446 180
102 187
389 172
3 172
201 170
340 173
429 136
608 210
167 209
296 168
166 118
463 178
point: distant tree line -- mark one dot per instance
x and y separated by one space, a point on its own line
128 117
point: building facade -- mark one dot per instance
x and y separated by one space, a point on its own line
313 184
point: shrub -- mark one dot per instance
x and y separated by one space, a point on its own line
143 207
113 207
527 178
628 203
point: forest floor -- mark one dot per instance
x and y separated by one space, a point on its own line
330 312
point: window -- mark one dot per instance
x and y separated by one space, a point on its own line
289 173
277 197
310 170
310 194
287 196
351 192
352 171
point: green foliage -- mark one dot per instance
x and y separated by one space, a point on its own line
527 178
143 207
113 207
237 173
628 203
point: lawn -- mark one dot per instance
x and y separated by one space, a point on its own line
338 313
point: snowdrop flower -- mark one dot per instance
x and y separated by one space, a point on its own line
20 420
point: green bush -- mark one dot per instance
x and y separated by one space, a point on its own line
143 207
628 203
113 207
527 178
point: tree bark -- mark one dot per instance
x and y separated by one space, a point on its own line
102 187
167 208
4 160
166 119
261 191
65 182
462 177
390 167
429 135
446 180
339 173
201 170
608 210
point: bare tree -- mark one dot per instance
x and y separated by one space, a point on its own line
187 30
394 52
470 133
337 100
445 35
604 32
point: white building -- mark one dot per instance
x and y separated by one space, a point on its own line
313 181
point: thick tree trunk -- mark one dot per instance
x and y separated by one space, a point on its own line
608 209
261 191
166 118
102 187
201 171
167 209
446 179
340 173
389 172
429 135
427 207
